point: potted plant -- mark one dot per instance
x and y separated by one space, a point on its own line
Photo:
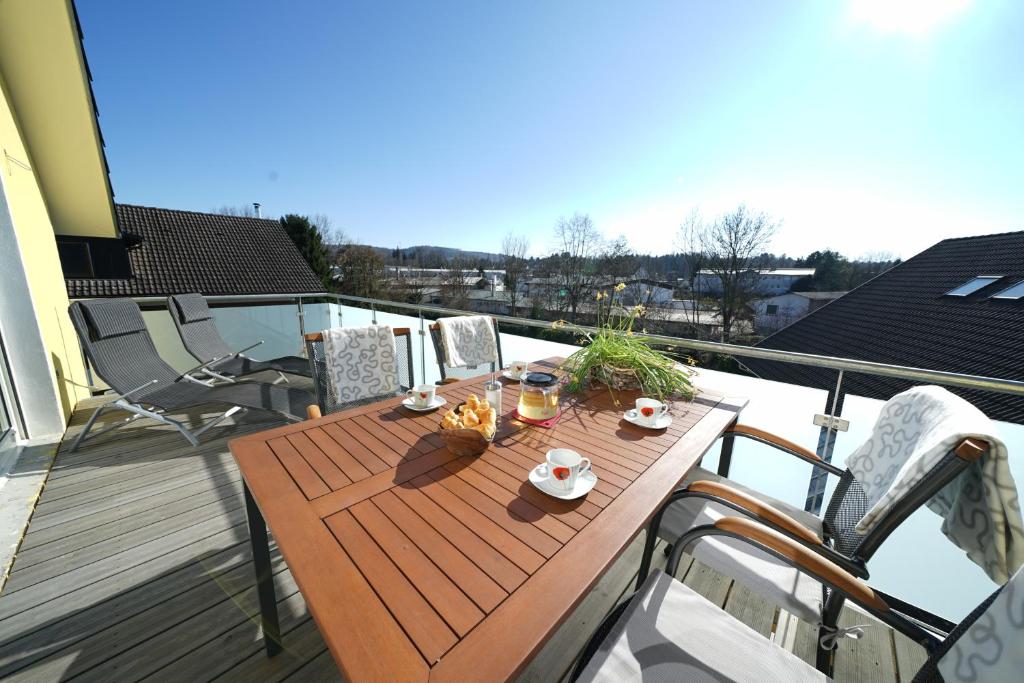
616 356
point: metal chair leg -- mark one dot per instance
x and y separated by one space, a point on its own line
88 425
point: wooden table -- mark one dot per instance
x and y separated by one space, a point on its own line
418 565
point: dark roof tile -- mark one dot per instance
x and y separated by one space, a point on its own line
903 317
187 251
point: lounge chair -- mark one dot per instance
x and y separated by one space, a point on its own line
117 344
326 397
706 497
201 338
667 632
452 374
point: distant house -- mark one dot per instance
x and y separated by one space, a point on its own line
957 306
773 313
765 282
176 252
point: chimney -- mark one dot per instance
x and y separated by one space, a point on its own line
256 205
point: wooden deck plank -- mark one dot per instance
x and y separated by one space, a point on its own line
148 594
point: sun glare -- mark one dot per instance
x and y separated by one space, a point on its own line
911 17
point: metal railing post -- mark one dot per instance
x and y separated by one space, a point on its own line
423 348
826 445
302 321
373 313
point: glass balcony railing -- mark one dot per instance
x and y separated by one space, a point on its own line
917 563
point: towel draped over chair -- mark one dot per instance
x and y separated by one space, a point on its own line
468 341
361 361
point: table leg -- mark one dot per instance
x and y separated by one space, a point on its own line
264 575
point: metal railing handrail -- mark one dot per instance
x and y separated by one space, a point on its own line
956 379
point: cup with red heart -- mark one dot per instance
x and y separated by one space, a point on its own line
564 467
649 411
423 395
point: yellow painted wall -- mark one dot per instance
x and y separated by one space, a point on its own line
38 248
42 62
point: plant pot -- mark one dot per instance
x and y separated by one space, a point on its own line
619 379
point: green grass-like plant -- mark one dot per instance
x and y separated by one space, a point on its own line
615 347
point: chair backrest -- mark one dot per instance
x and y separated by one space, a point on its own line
194 320
117 344
326 397
461 373
988 645
849 503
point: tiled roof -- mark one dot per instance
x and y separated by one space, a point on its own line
903 317
186 251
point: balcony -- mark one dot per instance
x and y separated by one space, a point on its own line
136 563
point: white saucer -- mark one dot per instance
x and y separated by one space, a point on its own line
411 404
632 417
584 483
507 374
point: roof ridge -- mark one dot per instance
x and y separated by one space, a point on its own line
189 211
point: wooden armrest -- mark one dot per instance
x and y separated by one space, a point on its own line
778 441
313 412
971 449
802 557
758 507
449 380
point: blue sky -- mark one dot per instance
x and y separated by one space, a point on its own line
863 125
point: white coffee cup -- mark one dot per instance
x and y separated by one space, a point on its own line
422 395
649 410
518 368
563 467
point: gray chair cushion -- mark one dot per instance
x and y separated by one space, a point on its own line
670 633
113 317
763 573
192 307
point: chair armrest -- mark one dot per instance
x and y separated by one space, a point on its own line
757 507
313 412
448 380
782 444
804 559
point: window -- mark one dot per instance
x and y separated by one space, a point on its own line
972 286
1013 292
772 309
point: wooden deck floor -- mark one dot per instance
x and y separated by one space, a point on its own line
136 566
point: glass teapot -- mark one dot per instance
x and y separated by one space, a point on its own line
538 396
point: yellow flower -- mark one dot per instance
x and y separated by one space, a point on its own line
558 324
619 287
629 333
598 296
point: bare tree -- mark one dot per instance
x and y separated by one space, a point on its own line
732 250
361 270
689 243
513 252
454 284
242 210
578 245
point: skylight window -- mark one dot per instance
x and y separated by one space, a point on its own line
1013 292
972 286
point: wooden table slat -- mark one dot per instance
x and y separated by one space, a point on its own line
457 567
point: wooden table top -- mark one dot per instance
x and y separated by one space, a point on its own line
419 565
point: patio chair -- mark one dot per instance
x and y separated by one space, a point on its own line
326 396
667 632
706 497
121 352
203 341
451 374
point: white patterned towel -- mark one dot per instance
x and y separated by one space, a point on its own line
468 341
980 508
361 361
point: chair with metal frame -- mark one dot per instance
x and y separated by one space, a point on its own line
666 631
202 339
450 374
121 352
706 497
326 396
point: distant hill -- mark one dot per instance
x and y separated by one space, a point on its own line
426 253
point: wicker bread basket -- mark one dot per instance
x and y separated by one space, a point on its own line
463 442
